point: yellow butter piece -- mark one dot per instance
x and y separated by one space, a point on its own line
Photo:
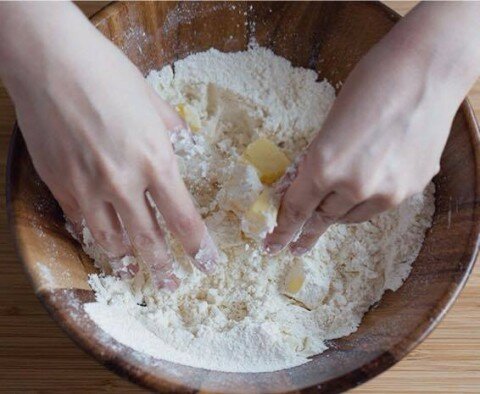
294 283
295 278
262 206
261 216
307 282
268 159
190 115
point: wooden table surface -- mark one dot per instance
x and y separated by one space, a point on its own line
36 356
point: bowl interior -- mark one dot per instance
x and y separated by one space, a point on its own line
327 37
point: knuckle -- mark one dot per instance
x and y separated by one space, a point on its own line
393 198
104 168
114 184
323 153
327 218
109 174
117 188
397 198
359 189
319 184
107 238
121 198
319 221
184 224
162 167
294 213
146 239
327 174
322 181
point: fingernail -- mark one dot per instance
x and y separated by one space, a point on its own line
298 250
207 255
169 284
273 248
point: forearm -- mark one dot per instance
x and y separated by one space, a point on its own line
441 40
38 41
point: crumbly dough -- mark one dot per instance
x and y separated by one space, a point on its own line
256 313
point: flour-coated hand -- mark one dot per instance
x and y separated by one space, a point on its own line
98 136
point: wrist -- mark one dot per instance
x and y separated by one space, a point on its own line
37 42
442 40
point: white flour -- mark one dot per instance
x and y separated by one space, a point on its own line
240 319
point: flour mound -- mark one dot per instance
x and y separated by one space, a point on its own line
250 316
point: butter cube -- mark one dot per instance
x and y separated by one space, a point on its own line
269 161
261 217
294 279
306 282
262 205
294 282
190 115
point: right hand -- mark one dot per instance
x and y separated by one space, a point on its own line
98 136
384 136
371 152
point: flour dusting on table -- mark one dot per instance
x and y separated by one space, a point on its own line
257 312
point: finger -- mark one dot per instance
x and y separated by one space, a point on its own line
367 209
171 119
176 206
183 220
297 205
73 215
334 206
107 231
148 241
312 231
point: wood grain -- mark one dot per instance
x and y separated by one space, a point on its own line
35 355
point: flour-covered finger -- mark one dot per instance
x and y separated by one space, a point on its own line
170 118
366 210
73 215
148 241
297 205
311 232
333 207
182 218
107 230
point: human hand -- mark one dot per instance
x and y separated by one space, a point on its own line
98 136
385 134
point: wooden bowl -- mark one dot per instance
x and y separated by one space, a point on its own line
328 37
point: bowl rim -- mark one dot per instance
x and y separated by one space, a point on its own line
349 380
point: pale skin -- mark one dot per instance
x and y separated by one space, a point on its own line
384 136
99 135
